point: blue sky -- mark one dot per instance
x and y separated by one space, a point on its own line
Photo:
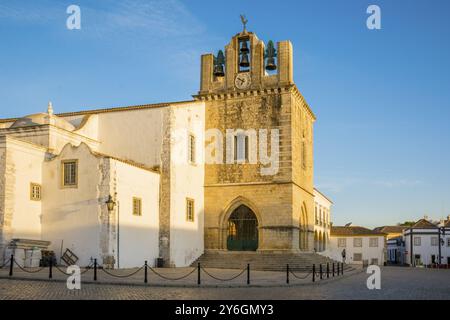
381 97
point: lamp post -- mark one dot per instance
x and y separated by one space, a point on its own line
111 204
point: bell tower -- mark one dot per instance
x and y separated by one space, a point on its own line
249 87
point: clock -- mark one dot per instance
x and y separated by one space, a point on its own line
243 80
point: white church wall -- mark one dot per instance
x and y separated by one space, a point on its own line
133 135
71 216
186 237
23 167
137 235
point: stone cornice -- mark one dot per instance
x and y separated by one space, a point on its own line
209 96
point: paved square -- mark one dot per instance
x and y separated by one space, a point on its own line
396 283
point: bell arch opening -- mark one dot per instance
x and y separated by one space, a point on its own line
242 231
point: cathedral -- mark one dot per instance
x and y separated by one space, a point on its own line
230 170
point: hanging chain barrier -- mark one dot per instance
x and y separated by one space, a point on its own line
5 264
335 269
172 279
222 279
122 275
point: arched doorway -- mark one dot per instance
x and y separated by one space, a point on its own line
242 233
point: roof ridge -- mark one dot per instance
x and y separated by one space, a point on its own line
110 109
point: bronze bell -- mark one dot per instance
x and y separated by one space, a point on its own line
244 48
218 71
271 64
244 61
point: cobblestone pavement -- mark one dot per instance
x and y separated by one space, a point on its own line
396 283
183 276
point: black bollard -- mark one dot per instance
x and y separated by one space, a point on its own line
198 274
338 264
328 270
11 265
50 269
95 269
342 269
145 272
248 273
320 271
333 269
314 273
287 273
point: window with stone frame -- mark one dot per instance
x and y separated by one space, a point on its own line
373 242
35 192
448 242
70 173
190 213
434 241
357 257
137 206
417 241
241 148
316 215
342 242
357 242
374 261
191 149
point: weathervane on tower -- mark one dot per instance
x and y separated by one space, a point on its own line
244 22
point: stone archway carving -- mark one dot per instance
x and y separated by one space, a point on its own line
228 211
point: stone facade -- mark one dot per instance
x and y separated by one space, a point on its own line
283 203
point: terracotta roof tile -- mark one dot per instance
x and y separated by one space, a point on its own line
354 231
390 229
424 224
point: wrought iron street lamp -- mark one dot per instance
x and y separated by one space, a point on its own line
110 203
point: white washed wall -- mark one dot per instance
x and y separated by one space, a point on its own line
186 238
71 216
137 235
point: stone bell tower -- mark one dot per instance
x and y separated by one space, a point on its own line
249 90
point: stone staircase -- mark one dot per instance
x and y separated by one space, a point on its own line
273 261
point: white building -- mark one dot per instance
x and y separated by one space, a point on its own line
361 245
322 221
59 173
429 242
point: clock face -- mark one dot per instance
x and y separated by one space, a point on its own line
242 80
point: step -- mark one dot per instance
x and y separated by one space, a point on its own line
264 261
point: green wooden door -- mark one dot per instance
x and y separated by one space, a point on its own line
242 230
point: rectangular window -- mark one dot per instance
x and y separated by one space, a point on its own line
448 242
434 241
315 214
342 242
191 148
357 257
137 207
190 210
70 173
357 242
35 192
373 242
374 261
417 241
241 148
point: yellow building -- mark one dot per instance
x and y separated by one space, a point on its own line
247 208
